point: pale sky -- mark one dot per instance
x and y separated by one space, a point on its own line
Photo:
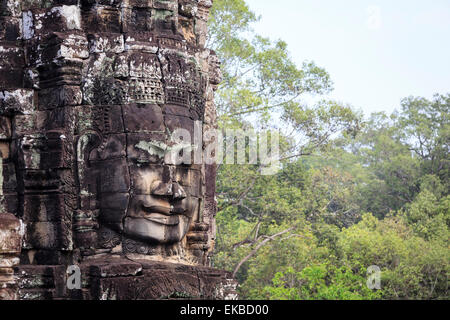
376 52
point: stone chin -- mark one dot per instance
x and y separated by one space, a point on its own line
157 229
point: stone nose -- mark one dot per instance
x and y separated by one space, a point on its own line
168 189
178 191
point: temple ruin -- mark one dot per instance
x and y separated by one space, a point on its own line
91 92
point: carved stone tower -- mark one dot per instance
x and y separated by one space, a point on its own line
92 94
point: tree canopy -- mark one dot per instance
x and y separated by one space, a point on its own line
353 190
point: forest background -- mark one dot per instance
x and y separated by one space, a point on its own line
354 190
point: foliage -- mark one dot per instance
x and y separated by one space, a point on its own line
351 193
319 282
262 85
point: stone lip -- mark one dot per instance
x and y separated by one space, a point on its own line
123 279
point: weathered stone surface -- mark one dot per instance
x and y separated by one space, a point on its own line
120 279
10 28
10 234
59 96
5 128
106 42
41 282
42 22
146 148
109 269
17 101
91 96
143 118
11 231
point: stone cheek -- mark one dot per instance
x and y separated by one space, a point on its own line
89 97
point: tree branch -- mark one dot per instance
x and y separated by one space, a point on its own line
259 246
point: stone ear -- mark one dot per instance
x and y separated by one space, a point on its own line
85 144
85 218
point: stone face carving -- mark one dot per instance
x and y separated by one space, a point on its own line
91 93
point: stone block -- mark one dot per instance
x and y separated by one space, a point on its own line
10 234
102 19
113 146
60 96
48 235
106 42
44 208
5 128
44 22
17 101
9 176
10 28
73 45
143 118
147 147
10 8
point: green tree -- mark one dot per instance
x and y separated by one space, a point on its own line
262 86
349 193
426 129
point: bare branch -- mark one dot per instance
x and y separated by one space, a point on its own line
259 246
